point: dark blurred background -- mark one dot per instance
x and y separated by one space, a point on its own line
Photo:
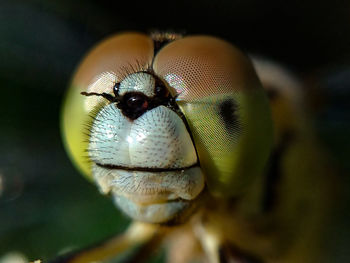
45 205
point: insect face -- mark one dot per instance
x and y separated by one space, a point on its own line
142 152
167 119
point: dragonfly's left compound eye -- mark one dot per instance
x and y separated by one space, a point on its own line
163 125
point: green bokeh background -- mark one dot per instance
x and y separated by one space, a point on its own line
45 205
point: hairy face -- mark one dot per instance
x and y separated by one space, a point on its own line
143 154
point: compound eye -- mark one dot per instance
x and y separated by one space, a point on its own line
134 105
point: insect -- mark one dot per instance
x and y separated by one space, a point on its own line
180 132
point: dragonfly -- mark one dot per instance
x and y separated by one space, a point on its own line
207 149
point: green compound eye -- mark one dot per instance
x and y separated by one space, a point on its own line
103 67
225 107
157 129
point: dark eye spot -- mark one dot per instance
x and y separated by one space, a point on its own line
116 89
137 103
228 113
133 105
160 90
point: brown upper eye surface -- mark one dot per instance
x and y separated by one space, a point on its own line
119 54
200 66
